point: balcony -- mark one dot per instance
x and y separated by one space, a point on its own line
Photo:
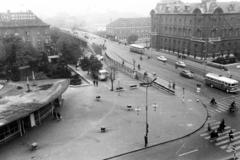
198 39
214 39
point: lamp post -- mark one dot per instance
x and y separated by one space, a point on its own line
147 84
206 43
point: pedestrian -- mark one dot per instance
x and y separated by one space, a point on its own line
146 141
173 85
94 82
222 124
230 134
169 84
209 127
57 113
97 83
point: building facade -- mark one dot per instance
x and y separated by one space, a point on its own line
26 25
123 27
205 29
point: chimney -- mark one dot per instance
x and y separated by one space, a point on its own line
166 9
176 9
186 8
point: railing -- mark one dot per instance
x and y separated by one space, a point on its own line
214 39
136 74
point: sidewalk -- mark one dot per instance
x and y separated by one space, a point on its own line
79 135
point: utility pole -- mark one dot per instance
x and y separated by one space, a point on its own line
147 84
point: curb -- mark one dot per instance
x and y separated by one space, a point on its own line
154 145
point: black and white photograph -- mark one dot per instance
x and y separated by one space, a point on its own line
120 80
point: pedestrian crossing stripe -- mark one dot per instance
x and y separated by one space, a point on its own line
223 140
223 104
227 141
227 136
221 110
226 146
225 132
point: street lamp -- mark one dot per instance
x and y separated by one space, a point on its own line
147 84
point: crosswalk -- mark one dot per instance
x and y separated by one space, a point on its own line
223 104
223 140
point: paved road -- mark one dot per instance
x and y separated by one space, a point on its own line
197 146
164 71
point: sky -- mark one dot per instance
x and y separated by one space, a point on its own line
73 7
88 9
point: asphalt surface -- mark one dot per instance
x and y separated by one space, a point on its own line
198 145
165 71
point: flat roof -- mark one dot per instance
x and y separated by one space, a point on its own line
16 102
222 78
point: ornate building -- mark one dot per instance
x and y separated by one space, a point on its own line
123 27
26 25
201 29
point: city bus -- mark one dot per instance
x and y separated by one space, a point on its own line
137 48
103 75
224 83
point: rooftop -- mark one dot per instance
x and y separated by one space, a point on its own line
206 6
20 19
16 102
123 22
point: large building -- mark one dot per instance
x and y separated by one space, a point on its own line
123 27
26 25
201 29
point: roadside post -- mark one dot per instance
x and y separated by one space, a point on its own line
198 90
183 92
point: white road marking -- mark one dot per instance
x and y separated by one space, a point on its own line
183 154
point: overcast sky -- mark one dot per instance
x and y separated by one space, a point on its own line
50 8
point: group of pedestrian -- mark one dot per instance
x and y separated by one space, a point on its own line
95 82
221 128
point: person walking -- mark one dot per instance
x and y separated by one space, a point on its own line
209 128
97 83
173 85
230 134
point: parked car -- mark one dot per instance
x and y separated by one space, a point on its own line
162 58
180 64
186 73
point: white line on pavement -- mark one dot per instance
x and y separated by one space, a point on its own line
195 150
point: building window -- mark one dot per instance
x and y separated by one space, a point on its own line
199 33
213 32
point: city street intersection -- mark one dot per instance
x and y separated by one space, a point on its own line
79 134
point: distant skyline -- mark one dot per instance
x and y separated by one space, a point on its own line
88 13
49 8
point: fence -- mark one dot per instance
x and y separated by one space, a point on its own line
136 74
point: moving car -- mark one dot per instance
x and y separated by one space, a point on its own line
162 58
186 73
180 64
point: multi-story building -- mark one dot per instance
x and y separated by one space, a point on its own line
201 29
26 25
123 27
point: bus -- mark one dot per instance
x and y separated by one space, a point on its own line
137 48
224 83
103 75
